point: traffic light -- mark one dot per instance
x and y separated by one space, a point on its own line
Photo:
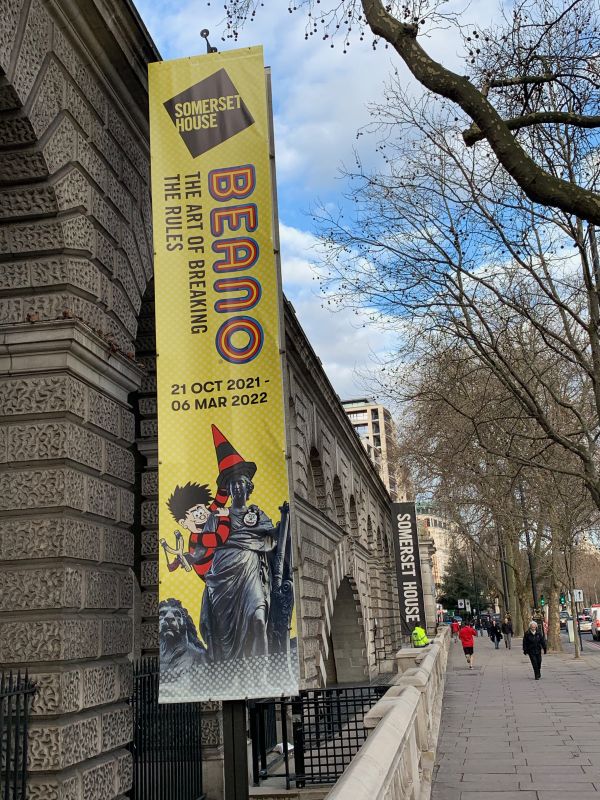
562 598
542 601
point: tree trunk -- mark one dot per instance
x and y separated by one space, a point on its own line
554 637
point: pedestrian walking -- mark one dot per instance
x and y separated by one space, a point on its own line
496 635
466 635
490 627
507 632
534 642
454 627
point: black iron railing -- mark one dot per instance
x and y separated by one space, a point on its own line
317 734
16 693
166 747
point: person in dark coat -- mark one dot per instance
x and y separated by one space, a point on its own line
496 634
533 644
507 631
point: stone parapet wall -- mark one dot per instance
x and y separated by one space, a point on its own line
396 761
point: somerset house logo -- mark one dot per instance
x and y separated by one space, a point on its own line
209 113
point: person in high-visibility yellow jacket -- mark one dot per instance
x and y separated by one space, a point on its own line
419 637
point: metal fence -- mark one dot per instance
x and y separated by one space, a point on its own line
320 731
166 747
16 694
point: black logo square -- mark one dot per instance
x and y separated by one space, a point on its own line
209 113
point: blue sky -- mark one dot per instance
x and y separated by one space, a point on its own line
320 99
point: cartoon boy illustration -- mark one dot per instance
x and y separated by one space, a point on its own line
207 521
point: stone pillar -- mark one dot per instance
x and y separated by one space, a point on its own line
66 584
426 551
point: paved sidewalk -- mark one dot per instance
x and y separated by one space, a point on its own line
504 736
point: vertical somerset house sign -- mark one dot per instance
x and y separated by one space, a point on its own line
226 599
408 566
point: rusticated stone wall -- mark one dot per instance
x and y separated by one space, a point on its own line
74 263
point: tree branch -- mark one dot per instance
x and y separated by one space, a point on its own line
474 134
537 184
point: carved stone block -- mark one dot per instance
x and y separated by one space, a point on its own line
98 781
149 428
55 746
92 163
28 590
149 604
17 167
102 498
150 635
80 72
50 98
130 247
49 640
124 776
101 589
149 543
117 635
121 306
73 190
147 404
124 275
126 586
126 506
150 512
117 727
34 46
78 107
61 147
150 484
119 196
27 201
54 440
211 730
105 215
29 238
118 546
41 488
149 573
119 130
9 13
105 143
16 131
44 394
56 692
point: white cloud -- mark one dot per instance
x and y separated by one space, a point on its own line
344 341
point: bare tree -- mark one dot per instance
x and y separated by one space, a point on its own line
444 248
537 68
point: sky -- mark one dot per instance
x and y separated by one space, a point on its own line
320 101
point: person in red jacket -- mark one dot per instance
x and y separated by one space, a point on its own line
467 636
454 627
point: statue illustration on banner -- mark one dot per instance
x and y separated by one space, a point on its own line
247 601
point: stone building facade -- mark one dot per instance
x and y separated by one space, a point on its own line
78 561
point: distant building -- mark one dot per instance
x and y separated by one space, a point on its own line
434 524
374 425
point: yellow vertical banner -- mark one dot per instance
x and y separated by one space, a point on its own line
226 601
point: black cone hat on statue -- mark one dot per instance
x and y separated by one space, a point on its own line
231 464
